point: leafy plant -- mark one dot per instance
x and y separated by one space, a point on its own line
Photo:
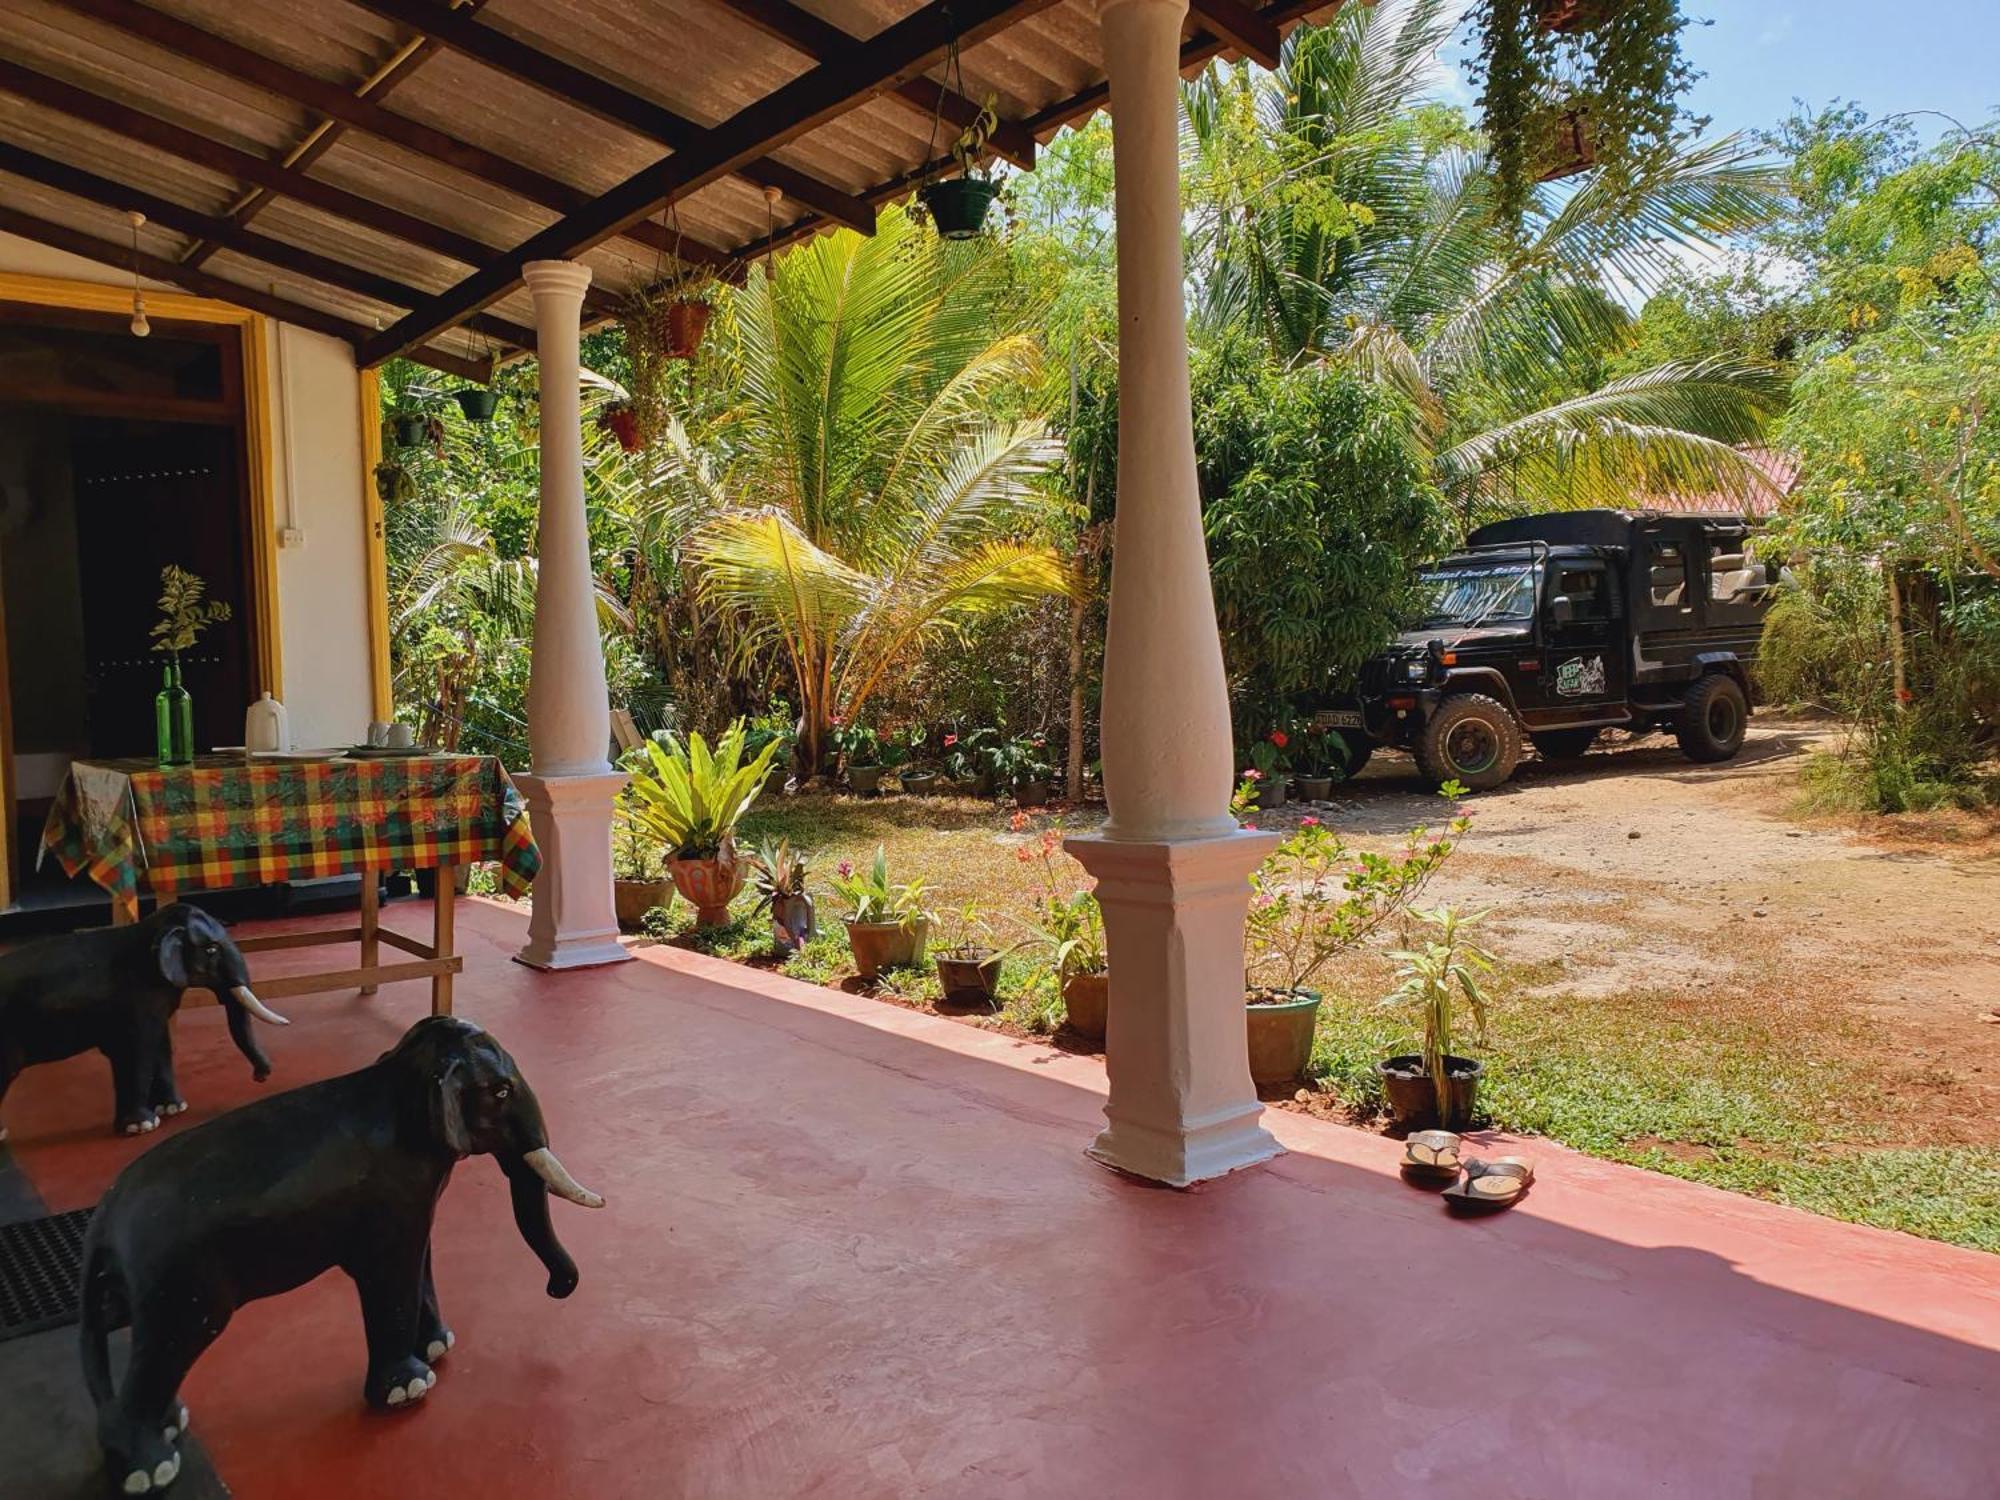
964 754
689 797
1068 922
1022 758
1434 977
184 613
966 933
876 899
635 853
1271 755
1314 898
778 873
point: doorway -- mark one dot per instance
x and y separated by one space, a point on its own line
119 456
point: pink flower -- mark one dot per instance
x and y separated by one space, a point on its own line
950 740
1250 827
846 868
1253 774
1308 822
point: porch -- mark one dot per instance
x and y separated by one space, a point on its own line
852 1250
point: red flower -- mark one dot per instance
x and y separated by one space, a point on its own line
1019 821
1280 738
950 740
1308 822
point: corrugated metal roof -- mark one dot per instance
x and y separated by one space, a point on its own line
699 59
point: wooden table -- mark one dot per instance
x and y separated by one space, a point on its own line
227 822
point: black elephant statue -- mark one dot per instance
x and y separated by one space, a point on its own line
261 1200
116 989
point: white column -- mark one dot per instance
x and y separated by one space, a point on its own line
1172 865
571 794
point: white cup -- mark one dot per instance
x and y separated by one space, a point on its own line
402 737
378 733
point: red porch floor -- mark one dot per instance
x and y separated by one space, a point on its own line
854 1251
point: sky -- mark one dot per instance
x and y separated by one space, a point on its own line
1886 55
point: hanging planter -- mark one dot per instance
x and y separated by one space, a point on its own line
393 483
622 423
1568 148
478 402
958 205
410 428
1564 17
687 321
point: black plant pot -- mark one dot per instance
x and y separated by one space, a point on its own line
969 977
1413 1100
958 205
410 430
478 402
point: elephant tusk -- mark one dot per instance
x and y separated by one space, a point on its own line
544 1165
257 1007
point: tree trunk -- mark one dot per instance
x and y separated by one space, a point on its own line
1899 676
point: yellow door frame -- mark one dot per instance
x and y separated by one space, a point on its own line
376 540
268 669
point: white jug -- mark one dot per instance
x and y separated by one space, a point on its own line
265 726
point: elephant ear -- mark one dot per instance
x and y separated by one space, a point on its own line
448 1108
170 952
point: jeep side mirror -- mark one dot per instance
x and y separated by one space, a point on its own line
1561 611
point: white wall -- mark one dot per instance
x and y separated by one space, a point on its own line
317 493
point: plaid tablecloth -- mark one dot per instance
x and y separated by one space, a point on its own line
226 822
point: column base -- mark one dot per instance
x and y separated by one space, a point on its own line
1182 1108
574 924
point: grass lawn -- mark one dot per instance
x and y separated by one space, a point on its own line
1759 1090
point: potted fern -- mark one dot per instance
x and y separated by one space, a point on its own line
779 874
1435 1086
958 204
888 925
690 798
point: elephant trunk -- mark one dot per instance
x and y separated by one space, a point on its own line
531 1218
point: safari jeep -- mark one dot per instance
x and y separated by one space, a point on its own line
1553 628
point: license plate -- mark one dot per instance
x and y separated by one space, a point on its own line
1339 718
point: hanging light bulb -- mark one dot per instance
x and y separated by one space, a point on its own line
140 326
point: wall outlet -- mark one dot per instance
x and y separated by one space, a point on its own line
291 536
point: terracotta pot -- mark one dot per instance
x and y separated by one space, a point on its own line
634 898
1281 1035
686 322
970 976
1413 1099
1312 788
622 423
883 945
1087 999
864 781
709 885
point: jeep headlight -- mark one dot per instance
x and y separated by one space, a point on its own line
1415 670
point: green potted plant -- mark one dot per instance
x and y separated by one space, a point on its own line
1435 1087
185 613
1311 779
1271 763
1022 764
690 799
1070 926
967 763
862 755
393 483
958 205
774 726
478 402
1312 900
888 925
639 880
686 314
968 965
411 428
780 876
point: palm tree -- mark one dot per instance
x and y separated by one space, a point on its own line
1345 218
860 500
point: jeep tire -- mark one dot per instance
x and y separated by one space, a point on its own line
1714 715
1472 739
1564 744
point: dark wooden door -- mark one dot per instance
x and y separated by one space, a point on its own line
149 494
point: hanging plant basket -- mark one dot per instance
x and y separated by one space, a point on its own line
958 205
410 429
393 483
687 321
622 423
478 402
1567 17
1568 148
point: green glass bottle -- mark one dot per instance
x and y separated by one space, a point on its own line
173 719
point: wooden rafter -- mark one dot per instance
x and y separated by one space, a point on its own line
899 53
102 191
1241 27
359 111
819 39
176 140
203 283
608 101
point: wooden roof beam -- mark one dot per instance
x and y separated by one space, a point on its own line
818 39
359 112
206 284
1241 27
102 191
863 69
585 90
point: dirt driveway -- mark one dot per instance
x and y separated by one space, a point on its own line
1634 870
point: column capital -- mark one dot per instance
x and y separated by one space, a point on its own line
1177 8
557 278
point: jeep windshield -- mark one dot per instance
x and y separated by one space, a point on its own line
1492 594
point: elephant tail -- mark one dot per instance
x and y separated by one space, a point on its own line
101 1295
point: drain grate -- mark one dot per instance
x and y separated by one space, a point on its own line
39 1262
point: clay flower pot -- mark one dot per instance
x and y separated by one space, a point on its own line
1413 1100
686 322
1031 794
709 886
1281 1034
634 898
622 423
1087 999
864 781
1312 788
884 945
970 976
1271 792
